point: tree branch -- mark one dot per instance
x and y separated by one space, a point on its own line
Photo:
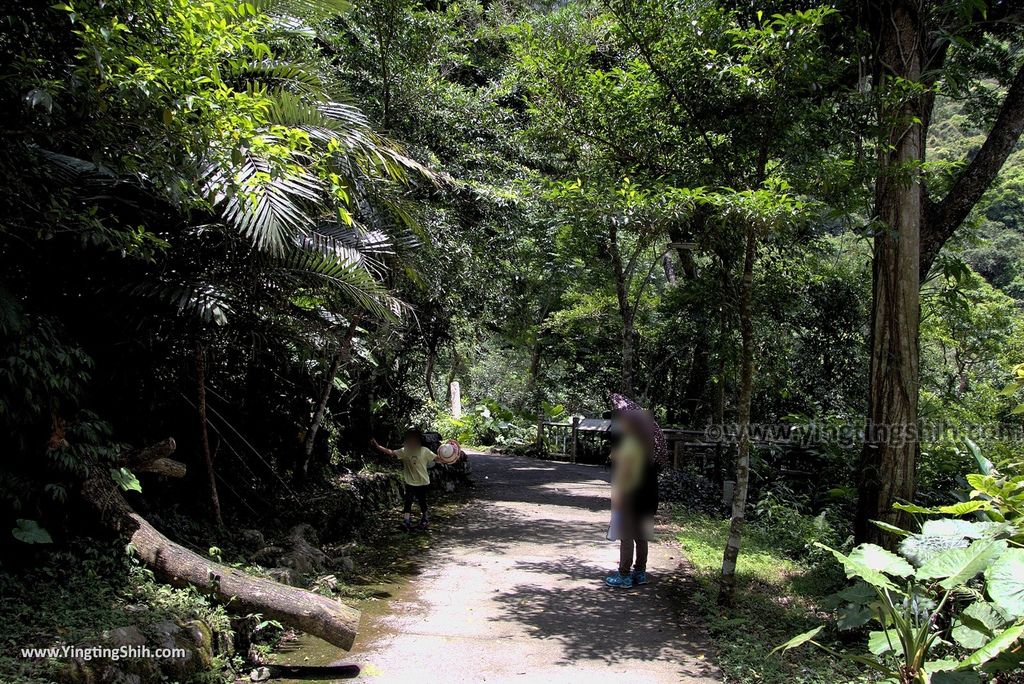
944 217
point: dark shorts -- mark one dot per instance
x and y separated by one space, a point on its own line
418 492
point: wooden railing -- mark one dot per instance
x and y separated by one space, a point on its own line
562 439
564 436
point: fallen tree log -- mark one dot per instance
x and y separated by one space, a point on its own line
304 610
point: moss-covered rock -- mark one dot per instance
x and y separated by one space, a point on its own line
161 651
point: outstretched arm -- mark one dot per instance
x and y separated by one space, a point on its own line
382 449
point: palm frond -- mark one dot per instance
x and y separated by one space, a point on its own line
203 301
352 242
316 268
277 74
69 169
270 213
367 151
289 109
372 242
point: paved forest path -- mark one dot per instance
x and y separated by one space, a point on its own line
513 592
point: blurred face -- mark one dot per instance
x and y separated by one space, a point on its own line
412 443
624 427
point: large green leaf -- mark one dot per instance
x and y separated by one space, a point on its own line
883 641
945 672
985 484
30 532
881 560
861 571
126 479
858 593
984 465
951 527
918 548
956 566
1004 581
955 677
977 624
965 507
853 616
937 536
891 529
915 509
798 640
993 648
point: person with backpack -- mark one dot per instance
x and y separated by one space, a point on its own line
634 495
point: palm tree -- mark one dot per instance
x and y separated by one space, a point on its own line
295 224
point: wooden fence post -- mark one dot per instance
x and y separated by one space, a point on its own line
575 436
676 448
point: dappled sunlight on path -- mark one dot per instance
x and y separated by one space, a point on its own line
514 592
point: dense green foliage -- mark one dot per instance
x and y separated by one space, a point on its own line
295 222
947 608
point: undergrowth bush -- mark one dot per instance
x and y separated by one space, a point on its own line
487 423
69 596
797 533
780 596
691 491
949 607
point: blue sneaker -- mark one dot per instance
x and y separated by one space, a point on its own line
619 580
640 577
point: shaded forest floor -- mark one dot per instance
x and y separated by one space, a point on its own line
777 598
507 582
71 593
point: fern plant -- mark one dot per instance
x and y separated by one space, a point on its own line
265 149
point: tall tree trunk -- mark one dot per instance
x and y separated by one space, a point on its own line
428 371
627 356
727 586
670 268
889 458
204 435
625 311
700 366
697 379
535 358
718 398
340 356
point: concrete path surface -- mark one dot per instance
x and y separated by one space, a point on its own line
514 592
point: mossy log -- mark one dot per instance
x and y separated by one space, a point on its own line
304 610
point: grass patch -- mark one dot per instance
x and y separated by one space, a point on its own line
776 599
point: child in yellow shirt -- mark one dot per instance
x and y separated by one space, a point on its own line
415 459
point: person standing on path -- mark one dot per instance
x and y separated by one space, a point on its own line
634 492
415 458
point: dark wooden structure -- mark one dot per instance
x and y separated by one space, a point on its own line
562 440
